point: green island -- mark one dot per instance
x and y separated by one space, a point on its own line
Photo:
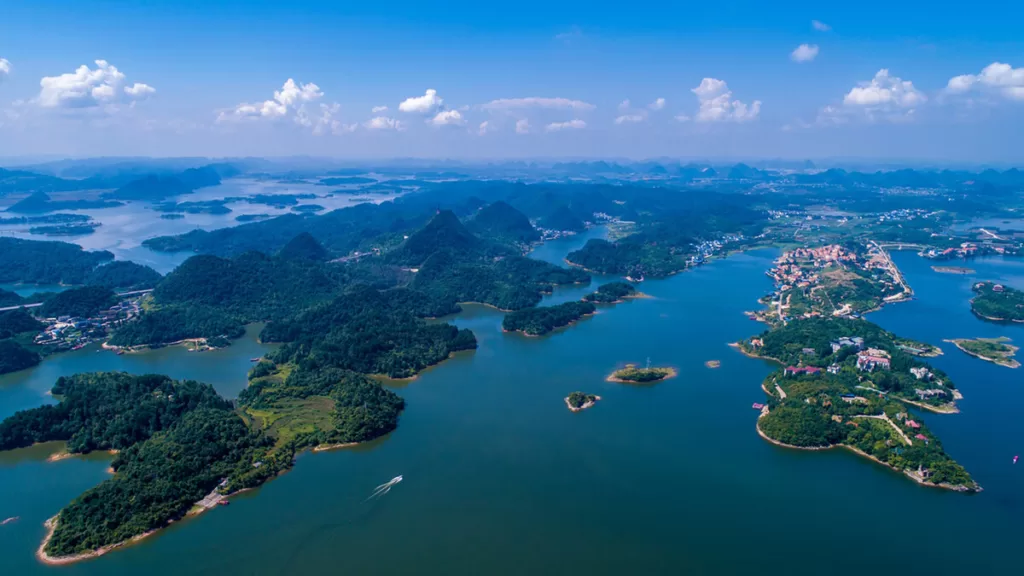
998 303
543 319
633 375
578 401
995 350
612 293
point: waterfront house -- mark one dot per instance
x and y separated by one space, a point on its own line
856 342
913 424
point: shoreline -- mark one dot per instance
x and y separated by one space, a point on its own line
556 328
740 348
64 454
587 404
51 527
1008 362
860 452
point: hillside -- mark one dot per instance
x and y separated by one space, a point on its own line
36 262
304 247
563 219
501 222
444 232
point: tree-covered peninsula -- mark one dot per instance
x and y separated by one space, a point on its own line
35 262
611 293
998 302
544 319
632 374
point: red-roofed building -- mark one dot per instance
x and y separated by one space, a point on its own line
797 370
913 424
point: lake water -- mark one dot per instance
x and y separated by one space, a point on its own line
499 478
125 227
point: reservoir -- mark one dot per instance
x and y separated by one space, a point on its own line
499 478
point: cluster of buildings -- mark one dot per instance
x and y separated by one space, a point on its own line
72 333
799 268
873 359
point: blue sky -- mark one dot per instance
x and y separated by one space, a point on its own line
549 79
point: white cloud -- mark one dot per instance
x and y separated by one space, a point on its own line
448 118
537 102
885 93
683 118
290 99
379 109
630 119
997 77
576 124
429 103
624 105
820 26
384 123
568 36
804 53
88 88
657 104
522 126
139 91
325 122
5 68
717 104
484 128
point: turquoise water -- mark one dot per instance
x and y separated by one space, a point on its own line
667 479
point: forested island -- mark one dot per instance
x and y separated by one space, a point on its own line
578 401
544 319
612 293
631 374
995 350
998 303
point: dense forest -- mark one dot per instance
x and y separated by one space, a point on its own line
563 219
8 298
578 399
501 222
41 203
611 293
175 323
82 302
123 275
998 302
17 328
544 319
14 357
35 262
370 332
107 411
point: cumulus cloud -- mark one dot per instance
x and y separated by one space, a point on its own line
820 26
384 123
657 104
288 100
484 128
522 126
630 119
326 122
804 53
576 124
448 118
429 103
537 102
5 68
88 88
997 78
885 93
379 109
718 105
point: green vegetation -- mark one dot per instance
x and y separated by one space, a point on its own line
107 411
563 219
822 410
309 408
501 222
304 247
177 323
8 298
808 342
544 319
35 262
346 181
577 400
14 357
123 275
18 321
370 332
611 293
632 374
83 302
995 350
998 302
17 328
157 187
444 233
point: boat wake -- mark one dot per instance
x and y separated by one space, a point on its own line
384 488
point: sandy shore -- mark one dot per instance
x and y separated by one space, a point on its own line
587 404
1007 362
326 447
672 374
64 454
855 450
51 527
737 346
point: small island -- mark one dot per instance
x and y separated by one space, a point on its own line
713 363
543 319
633 375
578 401
612 293
995 350
998 303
